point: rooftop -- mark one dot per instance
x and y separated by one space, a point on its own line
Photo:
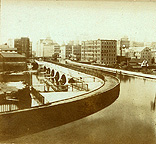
137 48
12 55
9 49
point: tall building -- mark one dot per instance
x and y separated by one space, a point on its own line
10 43
66 51
71 52
76 52
47 48
124 44
17 44
23 46
99 51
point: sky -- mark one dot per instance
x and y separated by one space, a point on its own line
77 20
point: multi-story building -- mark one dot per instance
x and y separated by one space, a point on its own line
66 51
124 44
12 62
99 51
47 48
17 44
71 52
76 52
146 54
23 46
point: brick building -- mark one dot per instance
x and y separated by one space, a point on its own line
99 51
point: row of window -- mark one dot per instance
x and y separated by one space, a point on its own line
108 55
109 59
106 51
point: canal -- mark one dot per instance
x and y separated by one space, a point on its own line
129 120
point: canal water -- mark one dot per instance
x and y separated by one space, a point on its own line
129 120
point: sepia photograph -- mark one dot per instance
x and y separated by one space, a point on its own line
77 72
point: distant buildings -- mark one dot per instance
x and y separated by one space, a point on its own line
47 48
142 53
136 44
99 51
71 51
66 51
76 52
24 46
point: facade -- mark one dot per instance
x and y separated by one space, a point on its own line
10 43
124 44
146 54
130 53
66 51
76 52
137 51
24 46
153 55
6 49
136 44
12 62
63 52
153 45
99 51
17 44
47 48
70 52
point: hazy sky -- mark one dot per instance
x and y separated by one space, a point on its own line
83 20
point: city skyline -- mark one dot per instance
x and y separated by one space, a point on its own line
65 21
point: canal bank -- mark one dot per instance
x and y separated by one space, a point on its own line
112 70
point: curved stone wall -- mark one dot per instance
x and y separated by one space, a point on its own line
28 121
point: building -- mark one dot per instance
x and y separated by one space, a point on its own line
99 51
153 45
6 49
129 53
47 48
12 62
17 44
10 43
146 54
153 55
66 51
136 44
76 52
135 52
24 46
124 44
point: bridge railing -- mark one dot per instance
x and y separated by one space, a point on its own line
37 95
